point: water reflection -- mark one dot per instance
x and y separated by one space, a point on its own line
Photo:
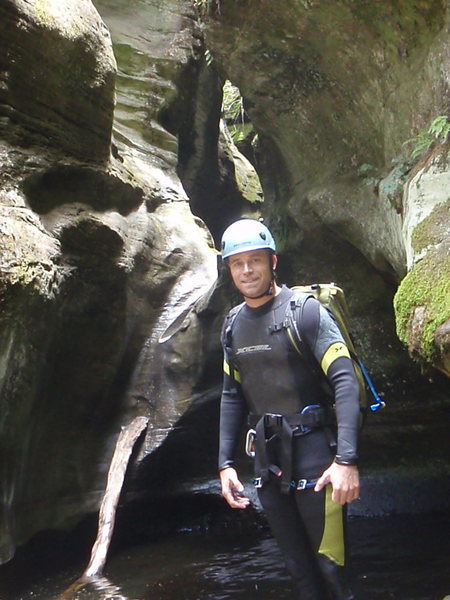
395 558
96 588
401 558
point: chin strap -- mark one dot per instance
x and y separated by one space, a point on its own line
268 292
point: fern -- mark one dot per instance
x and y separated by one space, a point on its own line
438 130
440 127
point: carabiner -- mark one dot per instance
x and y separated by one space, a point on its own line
250 443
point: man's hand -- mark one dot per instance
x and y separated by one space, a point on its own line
232 488
345 482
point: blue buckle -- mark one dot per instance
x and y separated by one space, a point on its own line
303 484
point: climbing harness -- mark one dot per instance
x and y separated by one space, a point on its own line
296 484
272 427
269 429
250 443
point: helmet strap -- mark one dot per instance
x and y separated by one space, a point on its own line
270 289
268 292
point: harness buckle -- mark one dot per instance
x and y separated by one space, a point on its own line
273 420
257 482
303 484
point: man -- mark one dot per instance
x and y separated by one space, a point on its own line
305 466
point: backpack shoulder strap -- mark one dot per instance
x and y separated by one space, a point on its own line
227 328
294 314
226 339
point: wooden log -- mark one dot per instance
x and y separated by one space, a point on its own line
124 446
107 515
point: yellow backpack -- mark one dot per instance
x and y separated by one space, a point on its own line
333 298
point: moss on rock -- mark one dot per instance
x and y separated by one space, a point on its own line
422 303
432 230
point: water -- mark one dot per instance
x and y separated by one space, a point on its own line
398 557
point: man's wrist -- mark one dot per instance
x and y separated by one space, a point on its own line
349 461
226 465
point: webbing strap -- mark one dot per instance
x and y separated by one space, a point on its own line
265 467
282 427
286 456
296 484
315 416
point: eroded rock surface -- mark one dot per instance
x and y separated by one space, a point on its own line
422 301
100 250
58 75
334 92
97 251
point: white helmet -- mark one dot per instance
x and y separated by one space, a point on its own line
245 235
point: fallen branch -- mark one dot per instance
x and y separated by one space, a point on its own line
124 446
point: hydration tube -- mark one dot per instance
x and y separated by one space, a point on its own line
379 403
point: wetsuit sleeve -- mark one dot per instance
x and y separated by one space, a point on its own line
232 414
325 341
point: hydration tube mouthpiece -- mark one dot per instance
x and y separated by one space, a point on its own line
379 403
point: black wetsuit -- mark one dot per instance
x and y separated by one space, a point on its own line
263 374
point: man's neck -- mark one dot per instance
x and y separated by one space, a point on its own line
257 302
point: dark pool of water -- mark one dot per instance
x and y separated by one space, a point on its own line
401 558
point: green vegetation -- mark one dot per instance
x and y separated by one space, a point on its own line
234 113
205 6
427 285
438 130
200 4
433 229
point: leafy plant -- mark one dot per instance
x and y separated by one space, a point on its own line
438 130
200 4
234 113
204 6
233 104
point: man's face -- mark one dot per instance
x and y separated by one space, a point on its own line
252 271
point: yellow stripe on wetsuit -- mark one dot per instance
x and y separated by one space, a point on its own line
226 368
332 544
335 351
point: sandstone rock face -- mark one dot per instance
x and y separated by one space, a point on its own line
100 251
422 301
58 72
335 91
97 252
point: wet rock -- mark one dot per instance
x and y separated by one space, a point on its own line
336 94
96 248
422 301
67 184
58 73
100 251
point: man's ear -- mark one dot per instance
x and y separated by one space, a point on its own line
274 261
